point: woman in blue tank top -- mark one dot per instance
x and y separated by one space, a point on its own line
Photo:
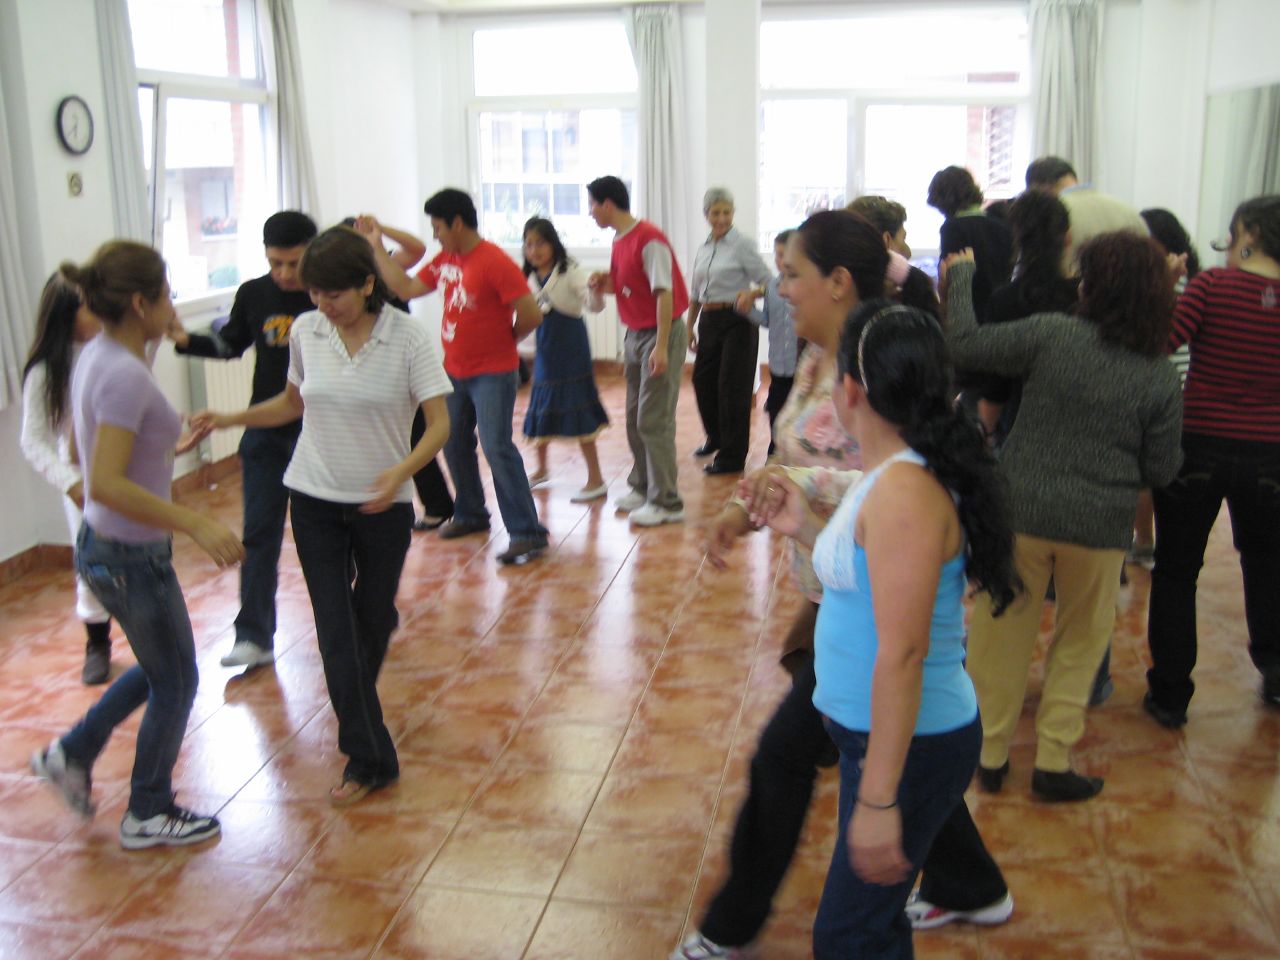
894 561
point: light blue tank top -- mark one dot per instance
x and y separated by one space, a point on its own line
845 641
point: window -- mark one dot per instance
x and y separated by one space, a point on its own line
880 103
202 99
540 136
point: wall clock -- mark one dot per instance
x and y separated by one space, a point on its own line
75 125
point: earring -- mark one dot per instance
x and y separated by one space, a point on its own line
835 297
1246 253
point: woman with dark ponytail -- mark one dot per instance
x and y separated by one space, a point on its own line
63 326
889 642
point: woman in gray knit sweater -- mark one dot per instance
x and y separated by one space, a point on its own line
1100 419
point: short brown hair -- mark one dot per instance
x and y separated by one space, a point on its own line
952 189
1127 291
117 270
341 259
887 216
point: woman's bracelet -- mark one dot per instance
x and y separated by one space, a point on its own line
875 806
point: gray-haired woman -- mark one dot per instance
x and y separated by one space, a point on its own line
728 276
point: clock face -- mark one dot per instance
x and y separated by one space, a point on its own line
75 125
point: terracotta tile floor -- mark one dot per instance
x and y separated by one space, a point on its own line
574 737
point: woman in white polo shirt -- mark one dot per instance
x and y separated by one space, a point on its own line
358 369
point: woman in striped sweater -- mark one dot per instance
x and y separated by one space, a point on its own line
1230 316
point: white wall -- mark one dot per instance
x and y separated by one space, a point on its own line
1244 45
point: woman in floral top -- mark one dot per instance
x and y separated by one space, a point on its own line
834 261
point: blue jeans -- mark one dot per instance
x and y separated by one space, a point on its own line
866 920
264 456
487 402
352 562
137 586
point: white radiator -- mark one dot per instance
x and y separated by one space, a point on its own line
605 332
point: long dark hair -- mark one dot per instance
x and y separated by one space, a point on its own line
55 336
1168 231
547 231
838 238
1126 291
899 356
1040 221
1260 216
119 270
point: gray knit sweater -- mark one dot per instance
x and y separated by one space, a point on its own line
1097 422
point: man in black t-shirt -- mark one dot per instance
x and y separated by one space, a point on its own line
261 317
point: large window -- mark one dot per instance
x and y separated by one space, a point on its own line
202 99
540 136
879 103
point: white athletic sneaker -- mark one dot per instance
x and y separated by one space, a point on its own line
247 654
176 828
629 501
698 947
652 515
925 916
66 776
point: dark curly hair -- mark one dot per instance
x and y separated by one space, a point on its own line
899 356
1260 216
1125 290
1168 231
952 189
1039 221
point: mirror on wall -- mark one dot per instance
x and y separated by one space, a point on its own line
1241 157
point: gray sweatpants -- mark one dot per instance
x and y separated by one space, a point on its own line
651 413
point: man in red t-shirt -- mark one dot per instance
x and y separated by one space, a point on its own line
481 287
652 298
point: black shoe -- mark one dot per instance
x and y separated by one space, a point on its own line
705 450
97 664
992 780
459 528
428 522
1173 719
718 466
1065 787
522 551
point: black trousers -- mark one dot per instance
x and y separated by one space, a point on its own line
724 375
429 481
352 562
958 873
1247 476
779 390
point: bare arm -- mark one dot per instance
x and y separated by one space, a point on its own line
658 359
393 274
410 248
436 413
285 407
110 486
528 316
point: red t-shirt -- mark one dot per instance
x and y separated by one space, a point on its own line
479 290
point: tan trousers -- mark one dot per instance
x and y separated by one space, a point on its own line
1086 582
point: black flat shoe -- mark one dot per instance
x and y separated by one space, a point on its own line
426 523
718 466
992 780
1065 787
1172 719
705 450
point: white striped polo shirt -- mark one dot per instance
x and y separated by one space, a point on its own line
358 410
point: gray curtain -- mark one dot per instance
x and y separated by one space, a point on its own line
123 128
654 33
17 309
1065 40
295 170
1260 156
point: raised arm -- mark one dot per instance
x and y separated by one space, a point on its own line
1009 349
409 249
393 274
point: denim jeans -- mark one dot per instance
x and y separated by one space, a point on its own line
137 586
486 404
352 562
1247 475
264 456
866 920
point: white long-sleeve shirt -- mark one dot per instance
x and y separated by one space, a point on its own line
47 447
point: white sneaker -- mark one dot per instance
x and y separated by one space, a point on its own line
652 515
925 916
66 776
247 654
698 947
632 500
177 828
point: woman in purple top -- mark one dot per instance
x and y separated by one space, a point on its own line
126 434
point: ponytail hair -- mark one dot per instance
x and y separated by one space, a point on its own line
899 356
55 336
118 270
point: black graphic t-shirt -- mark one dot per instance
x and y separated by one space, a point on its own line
261 316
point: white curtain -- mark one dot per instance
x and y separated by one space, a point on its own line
1065 40
17 310
122 126
295 171
654 33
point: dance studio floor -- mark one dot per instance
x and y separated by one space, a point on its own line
574 737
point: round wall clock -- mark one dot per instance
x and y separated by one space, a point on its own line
75 125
